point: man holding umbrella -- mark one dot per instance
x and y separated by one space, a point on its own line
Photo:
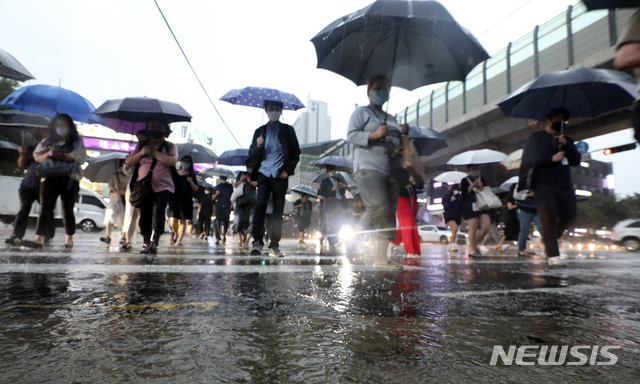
550 154
275 152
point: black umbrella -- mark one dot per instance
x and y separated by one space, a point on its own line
302 188
610 4
346 179
131 114
584 92
199 153
8 151
427 140
414 43
18 119
341 163
234 157
10 68
218 172
102 167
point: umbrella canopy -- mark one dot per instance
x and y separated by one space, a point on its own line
202 182
8 151
234 157
102 167
450 177
346 178
584 92
507 184
427 140
413 42
302 188
199 153
219 172
131 114
48 100
10 68
480 156
610 4
19 119
337 161
515 159
254 97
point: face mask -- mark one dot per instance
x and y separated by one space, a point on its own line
331 173
474 172
274 116
183 165
379 97
249 170
207 192
557 126
156 134
62 131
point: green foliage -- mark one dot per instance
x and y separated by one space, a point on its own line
6 87
606 211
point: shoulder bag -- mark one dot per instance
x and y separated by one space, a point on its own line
55 168
486 199
141 188
238 192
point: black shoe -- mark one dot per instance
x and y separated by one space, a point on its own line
31 244
125 247
12 241
122 241
47 240
106 239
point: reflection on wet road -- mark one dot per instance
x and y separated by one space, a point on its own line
209 314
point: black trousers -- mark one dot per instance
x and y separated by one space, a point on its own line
27 197
204 222
222 221
152 216
65 187
557 208
266 187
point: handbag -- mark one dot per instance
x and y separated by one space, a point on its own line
141 188
486 199
55 168
526 178
411 159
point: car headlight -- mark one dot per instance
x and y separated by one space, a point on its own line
346 233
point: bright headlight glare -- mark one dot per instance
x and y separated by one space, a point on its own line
346 232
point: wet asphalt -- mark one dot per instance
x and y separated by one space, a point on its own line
203 313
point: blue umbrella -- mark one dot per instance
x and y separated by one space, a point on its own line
427 140
48 100
254 97
234 157
337 161
584 92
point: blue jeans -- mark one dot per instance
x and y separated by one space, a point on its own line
525 222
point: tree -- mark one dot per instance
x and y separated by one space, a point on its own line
6 87
605 211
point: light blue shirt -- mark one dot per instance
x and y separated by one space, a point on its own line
273 152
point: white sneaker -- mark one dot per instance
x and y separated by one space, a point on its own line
412 256
453 248
483 249
391 251
275 252
556 262
256 249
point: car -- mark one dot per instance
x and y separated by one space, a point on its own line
626 233
439 233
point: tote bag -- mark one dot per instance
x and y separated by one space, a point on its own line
486 200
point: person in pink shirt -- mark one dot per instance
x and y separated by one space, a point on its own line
165 155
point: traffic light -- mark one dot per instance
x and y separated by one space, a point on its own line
619 148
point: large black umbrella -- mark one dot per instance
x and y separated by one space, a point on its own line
584 92
414 43
10 68
199 153
610 4
131 114
102 167
18 119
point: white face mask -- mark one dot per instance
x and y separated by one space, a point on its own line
474 172
62 131
207 192
249 170
183 165
274 116
331 173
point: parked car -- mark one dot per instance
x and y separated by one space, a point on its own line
89 209
439 233
626 233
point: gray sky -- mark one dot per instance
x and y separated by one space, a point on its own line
112 49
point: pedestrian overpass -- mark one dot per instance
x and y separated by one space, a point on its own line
466 113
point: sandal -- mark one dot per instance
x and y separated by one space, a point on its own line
475 254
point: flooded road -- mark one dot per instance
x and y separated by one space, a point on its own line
206 314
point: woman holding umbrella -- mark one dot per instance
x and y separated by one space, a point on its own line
451 205
64 145
376 136
116 207
181 203
163 156
479 221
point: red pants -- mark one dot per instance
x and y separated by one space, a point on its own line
407 232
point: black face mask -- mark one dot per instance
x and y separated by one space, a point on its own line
156 134
557 126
